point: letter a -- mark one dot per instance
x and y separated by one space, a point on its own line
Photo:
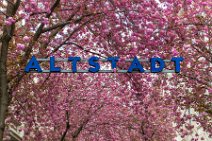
135 66
33 64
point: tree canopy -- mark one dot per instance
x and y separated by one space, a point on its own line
115 106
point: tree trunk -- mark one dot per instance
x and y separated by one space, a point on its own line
8 31
4 99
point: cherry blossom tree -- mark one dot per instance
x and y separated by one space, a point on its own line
105 106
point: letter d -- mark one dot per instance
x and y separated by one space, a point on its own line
153 62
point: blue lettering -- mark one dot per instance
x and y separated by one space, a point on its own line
52 65
113 61
153 62
74 63
33 64
92 62
177 61
135 65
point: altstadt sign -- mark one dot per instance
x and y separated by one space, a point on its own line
156 65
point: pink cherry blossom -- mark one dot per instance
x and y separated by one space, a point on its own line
10 21
26 39
20 46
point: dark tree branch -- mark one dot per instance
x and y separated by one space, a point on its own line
4 13
65 23
67 126
70 35
37 35
86 50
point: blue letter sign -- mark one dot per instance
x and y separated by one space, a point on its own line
153 62
33 64
74 63
177 61
156 65
52 65
92 62
136 65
